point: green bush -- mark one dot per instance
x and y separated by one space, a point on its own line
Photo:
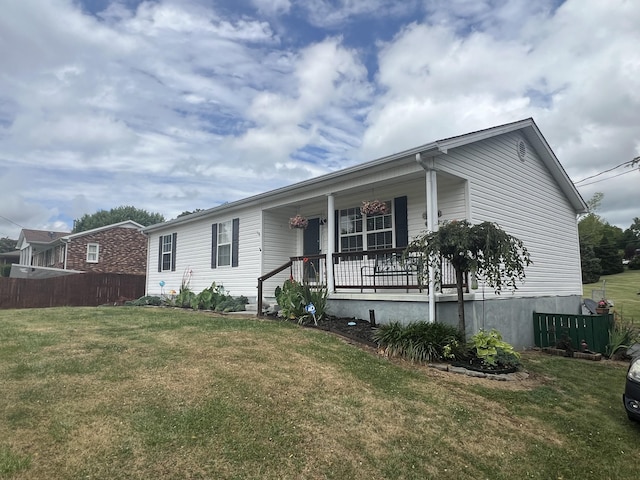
294 297
492 350
146 300
185 298
213 298
621 336
419 341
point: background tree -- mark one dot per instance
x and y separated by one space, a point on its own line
189 212
119 214
607 242
591 268
496 257
7 245
609 254
631 239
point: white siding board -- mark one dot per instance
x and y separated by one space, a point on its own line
524 199
193 253
279 243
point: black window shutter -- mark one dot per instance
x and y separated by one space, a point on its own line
214 245
160 255
235 241
401 224
173 252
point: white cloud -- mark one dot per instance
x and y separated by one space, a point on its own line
335 13
272 7
183 106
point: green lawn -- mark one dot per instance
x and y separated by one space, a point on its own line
622 289
145 393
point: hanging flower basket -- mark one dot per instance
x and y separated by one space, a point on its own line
298 222
374 207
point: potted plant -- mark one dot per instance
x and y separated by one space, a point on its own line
298 222
602 307
373 207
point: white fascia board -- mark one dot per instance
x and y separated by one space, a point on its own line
125 223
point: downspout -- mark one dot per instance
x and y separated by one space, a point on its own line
65 242
432 222
331 242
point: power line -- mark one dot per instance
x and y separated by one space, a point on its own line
608 178
11 221
605 171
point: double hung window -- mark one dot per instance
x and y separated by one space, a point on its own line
92 252
360 232
167 260
225 240
224 244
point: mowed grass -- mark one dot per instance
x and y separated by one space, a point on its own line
145 393
623 289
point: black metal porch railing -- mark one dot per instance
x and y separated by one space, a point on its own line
367 271
391 268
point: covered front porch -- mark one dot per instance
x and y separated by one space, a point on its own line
357 252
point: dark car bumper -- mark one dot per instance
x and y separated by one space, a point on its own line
631 399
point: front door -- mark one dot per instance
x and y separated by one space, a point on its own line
311 246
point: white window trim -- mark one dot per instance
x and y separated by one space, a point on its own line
229 233
89 252
364 233
168 253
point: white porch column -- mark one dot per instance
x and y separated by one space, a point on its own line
331 241
432 223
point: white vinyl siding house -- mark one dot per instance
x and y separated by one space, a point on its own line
506 174
196 251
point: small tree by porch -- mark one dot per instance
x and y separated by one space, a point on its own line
496 257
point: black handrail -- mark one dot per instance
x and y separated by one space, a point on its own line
267 276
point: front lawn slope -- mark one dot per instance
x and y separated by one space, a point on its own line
145 393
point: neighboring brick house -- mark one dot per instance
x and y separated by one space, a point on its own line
117 248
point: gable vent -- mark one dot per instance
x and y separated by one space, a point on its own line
521 148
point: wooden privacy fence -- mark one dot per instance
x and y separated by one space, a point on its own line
83 289
549 328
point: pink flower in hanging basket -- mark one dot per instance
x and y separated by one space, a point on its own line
298 222
374 207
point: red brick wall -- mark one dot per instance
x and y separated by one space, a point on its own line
122 250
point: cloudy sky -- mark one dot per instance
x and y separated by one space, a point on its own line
173 105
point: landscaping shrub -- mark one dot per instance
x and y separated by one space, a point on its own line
621 336
294 297
419 341
213 298
146 300
491 350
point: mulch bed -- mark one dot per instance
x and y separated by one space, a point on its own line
353 329
361 332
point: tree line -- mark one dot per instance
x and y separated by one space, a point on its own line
604 247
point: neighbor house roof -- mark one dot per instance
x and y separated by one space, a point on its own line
15 254
124 224
44 237
41 236
439 149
